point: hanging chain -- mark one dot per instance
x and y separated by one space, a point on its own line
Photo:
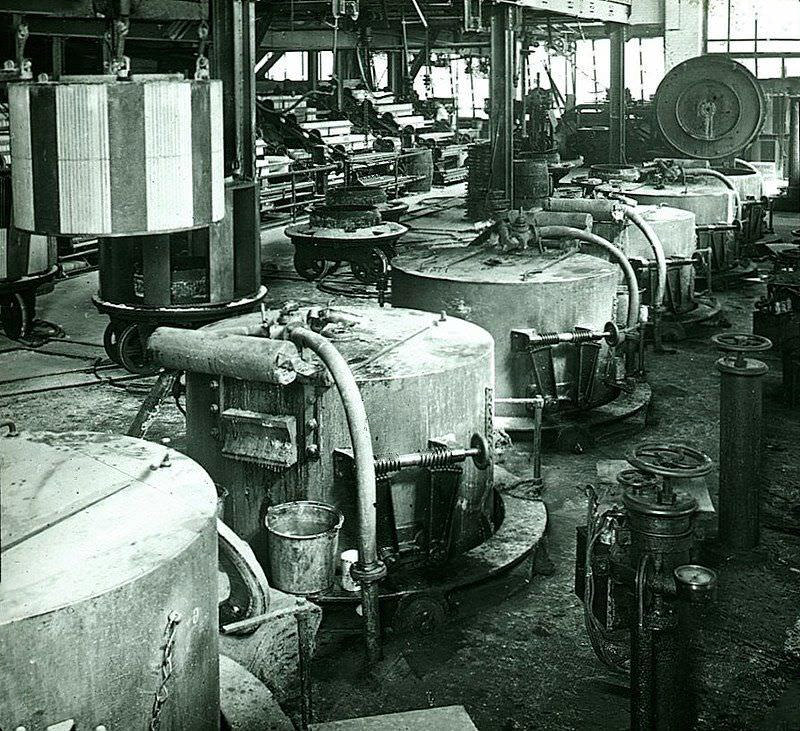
162 692
202 69
119 65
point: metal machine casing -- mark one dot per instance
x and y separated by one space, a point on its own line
108 550
502 292
421 379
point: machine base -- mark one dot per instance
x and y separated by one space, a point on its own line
130 326
573 433
706 313
415 601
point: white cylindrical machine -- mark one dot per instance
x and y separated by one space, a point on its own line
503 292
424 381
710 201
108 603
98 156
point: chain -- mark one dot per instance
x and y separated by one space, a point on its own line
162 692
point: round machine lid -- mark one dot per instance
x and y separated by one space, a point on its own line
382 343
84 513
488 265
709 107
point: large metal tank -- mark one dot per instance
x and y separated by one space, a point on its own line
98 156
108 604
711 202
748 183
550 292
422 378
675 229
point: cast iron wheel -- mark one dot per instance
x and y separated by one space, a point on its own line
371 269
311 268
111 342
131 347
15 316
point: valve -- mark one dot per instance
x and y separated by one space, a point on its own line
735 345
670 460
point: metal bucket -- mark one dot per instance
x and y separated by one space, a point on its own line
303 539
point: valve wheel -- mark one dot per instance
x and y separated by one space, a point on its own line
670 460
132 351
741 342
15 317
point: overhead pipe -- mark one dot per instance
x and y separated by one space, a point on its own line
565 232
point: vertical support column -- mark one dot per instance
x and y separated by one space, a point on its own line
501 93
57 53
740 437
233 60
793 172
313 69
617 112
684 31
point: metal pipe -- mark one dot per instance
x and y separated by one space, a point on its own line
565 232
234 355
369 569
745 164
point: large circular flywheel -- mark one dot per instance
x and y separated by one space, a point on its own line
709 107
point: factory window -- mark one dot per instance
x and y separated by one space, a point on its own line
765 37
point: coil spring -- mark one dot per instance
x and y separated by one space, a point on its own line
552 338
428 460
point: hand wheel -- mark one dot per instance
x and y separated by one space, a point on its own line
740 342
637 481
670 460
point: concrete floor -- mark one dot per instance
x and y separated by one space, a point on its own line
515 653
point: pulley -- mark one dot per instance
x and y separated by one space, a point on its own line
709 107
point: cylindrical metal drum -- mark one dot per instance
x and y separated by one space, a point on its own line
421 377
711 202
502 292
108 604
748 184
97 156
675 229
531 181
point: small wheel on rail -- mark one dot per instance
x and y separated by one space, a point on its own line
15 316
311 267
132 350
111 341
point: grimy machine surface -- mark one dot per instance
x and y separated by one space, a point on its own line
108 603
426 382
548 312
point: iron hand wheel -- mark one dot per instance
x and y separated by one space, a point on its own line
741 342
670 460
636 480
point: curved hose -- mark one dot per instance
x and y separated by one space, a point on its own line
565 232
649 233
744 164
370 569
605 208
709 173
360 436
